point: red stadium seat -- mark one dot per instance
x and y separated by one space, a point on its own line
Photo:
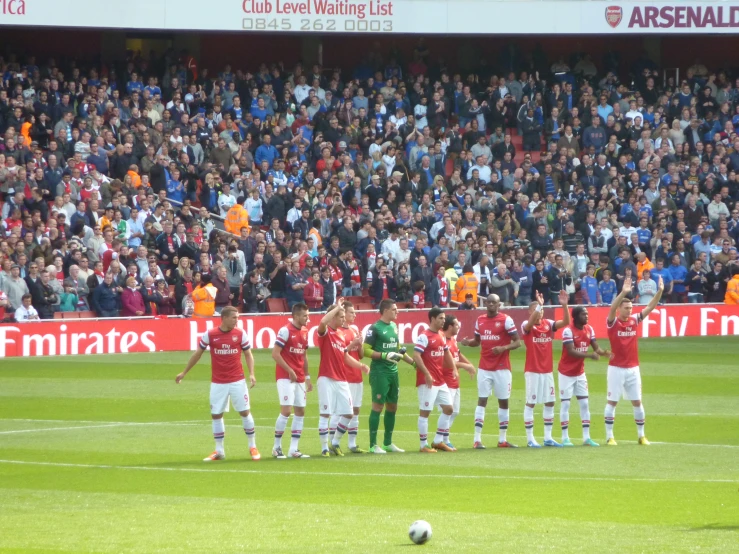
276 305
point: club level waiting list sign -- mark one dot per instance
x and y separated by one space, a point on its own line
427 17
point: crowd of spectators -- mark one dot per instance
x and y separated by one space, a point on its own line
393 180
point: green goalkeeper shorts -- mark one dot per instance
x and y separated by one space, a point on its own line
385 387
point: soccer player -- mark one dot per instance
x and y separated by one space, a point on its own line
431 354
293 380
496 334
334 396
576 340
353 376
624 378
538 335
381 346
451 374
226 344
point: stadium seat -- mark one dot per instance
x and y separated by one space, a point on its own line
428 304
70 315
364 306
58 315
276 305
87 315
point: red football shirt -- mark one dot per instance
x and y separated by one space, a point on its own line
495 331
332 345
353 375
624 341
451 381
293 342
225 353
431 346
538 343
581 340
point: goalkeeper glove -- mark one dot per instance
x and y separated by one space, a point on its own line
392 356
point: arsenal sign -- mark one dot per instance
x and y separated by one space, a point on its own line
614 15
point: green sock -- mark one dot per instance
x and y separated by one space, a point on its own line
374 425
389 426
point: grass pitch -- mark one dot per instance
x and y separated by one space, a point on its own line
102 454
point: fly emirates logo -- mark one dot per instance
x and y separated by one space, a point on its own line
628 332
225 351
488 335
296 350
438 353
542 340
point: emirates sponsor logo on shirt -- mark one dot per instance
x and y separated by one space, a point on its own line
627 333
436 353
294 350
486 336
542 340
226 351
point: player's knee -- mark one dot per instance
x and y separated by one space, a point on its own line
636 403
503 404
356 411
447 410
482 402
245 413
300 412
217 416
285 411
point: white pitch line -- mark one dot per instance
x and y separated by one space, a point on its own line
364 474
198 423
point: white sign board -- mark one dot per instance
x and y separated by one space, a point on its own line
456 17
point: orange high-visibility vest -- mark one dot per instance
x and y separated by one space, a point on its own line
732 291
466 284
236 218
205 301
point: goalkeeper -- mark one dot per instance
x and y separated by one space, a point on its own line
381 346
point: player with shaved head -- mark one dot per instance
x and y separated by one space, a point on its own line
496 335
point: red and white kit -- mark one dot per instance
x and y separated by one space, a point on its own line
494 375
432 347
293 342
572 379
227 379
333 390
538 369
624 378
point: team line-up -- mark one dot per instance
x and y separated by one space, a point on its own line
437 360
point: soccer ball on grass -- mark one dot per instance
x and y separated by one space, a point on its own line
420 532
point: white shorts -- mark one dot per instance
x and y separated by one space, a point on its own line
539 387
624 382
291 394
221 392
334 397
455 396
429 397
498 382
356 390
572 386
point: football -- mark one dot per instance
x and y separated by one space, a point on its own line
420 532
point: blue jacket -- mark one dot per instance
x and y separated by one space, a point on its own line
265 152
105 298
679 273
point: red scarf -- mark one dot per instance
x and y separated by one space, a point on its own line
443 293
